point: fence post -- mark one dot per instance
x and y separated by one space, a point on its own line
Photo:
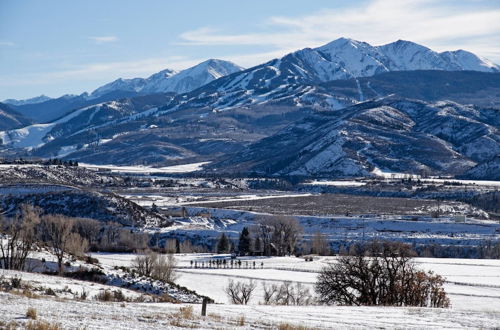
204 307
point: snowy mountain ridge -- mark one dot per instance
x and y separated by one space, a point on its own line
33 100
347 58
170 80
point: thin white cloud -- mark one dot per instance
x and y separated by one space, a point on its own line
104 71
438 24
6 44
103 39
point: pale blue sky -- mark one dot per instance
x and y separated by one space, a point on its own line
55 47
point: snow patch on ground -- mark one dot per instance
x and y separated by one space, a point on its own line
185 168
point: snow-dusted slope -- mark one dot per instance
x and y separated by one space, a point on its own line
393 134
172 81
9 118
346 58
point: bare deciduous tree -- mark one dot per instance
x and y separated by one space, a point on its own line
89 229
144 262
77 245
20 237
157 266
319 244
240 292
278 232
164 269
380 274
56 231
287 294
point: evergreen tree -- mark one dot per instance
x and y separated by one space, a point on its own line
154 208
244 243
223 244
177 246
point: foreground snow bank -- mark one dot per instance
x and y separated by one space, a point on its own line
99 315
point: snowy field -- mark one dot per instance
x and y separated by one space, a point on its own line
472 284
170 200
185 168
72 314
475 302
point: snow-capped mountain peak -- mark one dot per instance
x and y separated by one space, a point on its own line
169 80
469 61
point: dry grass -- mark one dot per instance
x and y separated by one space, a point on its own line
288 326
29 294
215 317
186 312
327 204
42 325
241 320
12 325
31 313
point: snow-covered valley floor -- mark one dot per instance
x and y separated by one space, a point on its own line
473 287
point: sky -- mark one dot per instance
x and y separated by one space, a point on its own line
57 47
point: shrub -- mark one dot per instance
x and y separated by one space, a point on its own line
50 292
108 295
31 313
16 282
93 275
105 295
83 295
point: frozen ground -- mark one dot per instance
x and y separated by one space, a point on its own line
475 308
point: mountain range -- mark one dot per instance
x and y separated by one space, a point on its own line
390 134
401 101
44 109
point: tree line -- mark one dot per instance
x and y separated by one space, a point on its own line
274 235
64 236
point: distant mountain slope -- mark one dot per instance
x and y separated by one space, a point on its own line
489 170
10 118
33 100
467 87
166 81
172 81
142 130
392 134
83 119
53 109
